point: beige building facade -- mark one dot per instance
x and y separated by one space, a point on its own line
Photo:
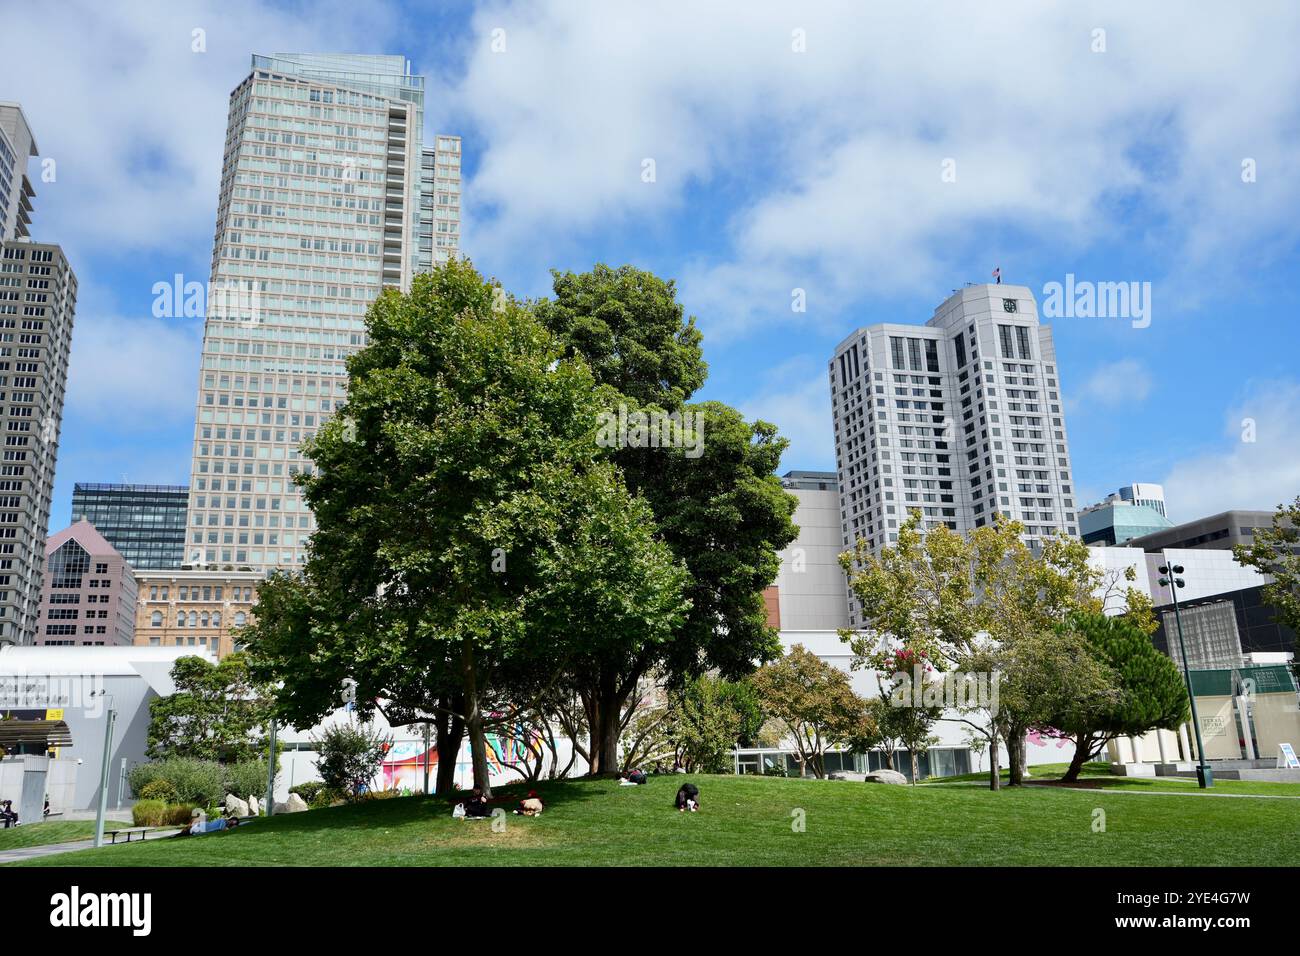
199 609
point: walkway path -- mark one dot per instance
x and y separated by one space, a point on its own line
49 849
1149 793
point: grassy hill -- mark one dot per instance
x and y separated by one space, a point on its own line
748 821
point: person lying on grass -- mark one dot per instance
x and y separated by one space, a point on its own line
688 798
199 826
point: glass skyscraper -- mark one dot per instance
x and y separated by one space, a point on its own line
328 196
145 523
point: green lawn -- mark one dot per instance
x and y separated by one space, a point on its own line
1098 775
747 821
50 831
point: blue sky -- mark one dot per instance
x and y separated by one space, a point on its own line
792 149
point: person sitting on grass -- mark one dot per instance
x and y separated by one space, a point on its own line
688 798
531 805
476 806
632 778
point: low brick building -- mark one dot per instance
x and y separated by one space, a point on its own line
200 609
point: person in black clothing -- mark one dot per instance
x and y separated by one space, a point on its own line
8 815
477 805
688 798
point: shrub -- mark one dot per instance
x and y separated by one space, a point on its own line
315 792
159 789
349 756
382 794
149 813
245 779
179 814
194 781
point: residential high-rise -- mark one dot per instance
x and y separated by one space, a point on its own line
89 591
38 298
328 196
16 145
144 522
960 418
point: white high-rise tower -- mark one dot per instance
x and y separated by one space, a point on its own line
328 196
38 301
960 418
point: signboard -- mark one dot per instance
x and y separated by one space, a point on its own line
1286 756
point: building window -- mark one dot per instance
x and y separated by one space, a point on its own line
69 565
155 619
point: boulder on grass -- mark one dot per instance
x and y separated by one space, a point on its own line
886 776
254 806
295 804
236 806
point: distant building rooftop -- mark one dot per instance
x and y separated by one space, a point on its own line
1221 532
811 480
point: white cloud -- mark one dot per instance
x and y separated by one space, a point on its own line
1243 473
134 119
1121 383
836 152
133 374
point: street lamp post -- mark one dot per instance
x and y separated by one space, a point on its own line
270 772
110 716
1171 580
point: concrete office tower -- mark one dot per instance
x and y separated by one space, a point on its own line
960 418
88 595
322 206
38 298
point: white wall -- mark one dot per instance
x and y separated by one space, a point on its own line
811 586
828 646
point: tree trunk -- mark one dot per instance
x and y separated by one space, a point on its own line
604 706
474 720
995 774
1015 757
450 728
1082 744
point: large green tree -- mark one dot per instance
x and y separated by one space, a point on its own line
218 712
470 530
1150 693
815 705
718 504
1276 551
985 604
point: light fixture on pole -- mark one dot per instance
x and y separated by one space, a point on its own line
1171 580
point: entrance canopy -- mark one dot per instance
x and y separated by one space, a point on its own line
17 736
